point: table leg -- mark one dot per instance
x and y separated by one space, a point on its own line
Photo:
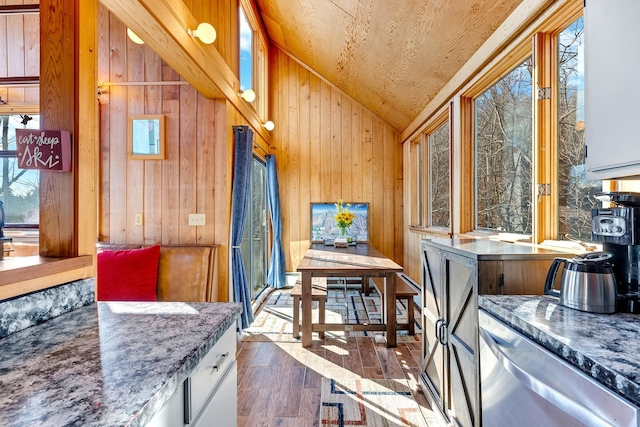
306 309
390 304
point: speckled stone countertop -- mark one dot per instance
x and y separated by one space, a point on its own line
105 364
605 346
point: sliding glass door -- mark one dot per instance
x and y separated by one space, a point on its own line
256 239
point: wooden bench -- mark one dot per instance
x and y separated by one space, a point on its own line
186 273
403 292
318 293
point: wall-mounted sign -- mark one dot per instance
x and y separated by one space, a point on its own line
43 149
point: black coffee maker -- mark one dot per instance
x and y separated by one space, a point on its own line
618 228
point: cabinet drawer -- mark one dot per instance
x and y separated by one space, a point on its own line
211 370
222 407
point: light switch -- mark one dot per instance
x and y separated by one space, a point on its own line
138 219
196 219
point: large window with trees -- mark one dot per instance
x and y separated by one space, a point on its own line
503 153
575 193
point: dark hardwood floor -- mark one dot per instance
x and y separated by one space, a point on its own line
279 383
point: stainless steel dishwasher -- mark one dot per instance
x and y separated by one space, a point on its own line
524 385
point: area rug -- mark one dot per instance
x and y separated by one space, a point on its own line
368 403
273 322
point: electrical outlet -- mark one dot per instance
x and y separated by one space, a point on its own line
196 219
138 219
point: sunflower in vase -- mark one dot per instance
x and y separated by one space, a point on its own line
344 217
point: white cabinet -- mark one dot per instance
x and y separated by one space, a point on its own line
612 88
209 396
211 391
172 413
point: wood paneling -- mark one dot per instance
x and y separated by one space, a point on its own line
19 56
329 147
194 177
393 57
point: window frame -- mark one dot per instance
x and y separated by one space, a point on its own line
259 59
14 154
419 157
539 41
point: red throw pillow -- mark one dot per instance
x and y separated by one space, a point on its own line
128 275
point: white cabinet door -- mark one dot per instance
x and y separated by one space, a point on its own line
172 413
612 88
222 408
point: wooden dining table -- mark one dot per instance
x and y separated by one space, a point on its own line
360 260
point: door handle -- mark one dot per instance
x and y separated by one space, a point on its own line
438 330
443 333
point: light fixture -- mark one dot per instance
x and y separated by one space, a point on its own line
205 32
248 95
134 37
269 125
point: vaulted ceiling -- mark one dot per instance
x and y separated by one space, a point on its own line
392 56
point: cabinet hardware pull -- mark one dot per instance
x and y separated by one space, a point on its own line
220 361
438 330
187 401
443 333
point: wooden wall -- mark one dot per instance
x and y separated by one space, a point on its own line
194 177
19 53
222 14
328 147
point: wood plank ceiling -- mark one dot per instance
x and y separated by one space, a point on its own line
392 56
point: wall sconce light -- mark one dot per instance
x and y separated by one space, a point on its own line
269 125
134 37
248 95
205 32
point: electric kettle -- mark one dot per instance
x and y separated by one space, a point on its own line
587 282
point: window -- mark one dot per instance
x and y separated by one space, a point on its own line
503 150
19 188
575 193
246 53
439 172
254 57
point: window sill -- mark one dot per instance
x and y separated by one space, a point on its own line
22 275
434 231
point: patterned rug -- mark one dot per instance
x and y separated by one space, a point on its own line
369 403
273 322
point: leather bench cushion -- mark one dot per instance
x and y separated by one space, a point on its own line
184 273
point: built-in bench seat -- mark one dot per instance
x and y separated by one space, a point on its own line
318 293
186 273
404 291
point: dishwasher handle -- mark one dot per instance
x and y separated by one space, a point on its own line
539 387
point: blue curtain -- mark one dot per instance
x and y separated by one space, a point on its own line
276 277
240 206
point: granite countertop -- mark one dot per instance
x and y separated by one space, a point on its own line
605 346
484 249
105 364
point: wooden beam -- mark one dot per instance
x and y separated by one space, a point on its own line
163 25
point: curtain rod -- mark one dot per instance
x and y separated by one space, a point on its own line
260 148
241 129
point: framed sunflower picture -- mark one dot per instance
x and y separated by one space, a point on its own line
328 220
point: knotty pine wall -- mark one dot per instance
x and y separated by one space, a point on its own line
194 177
19 54
329 147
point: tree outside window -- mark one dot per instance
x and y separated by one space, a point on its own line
19 188
439 172
503 150
575 193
